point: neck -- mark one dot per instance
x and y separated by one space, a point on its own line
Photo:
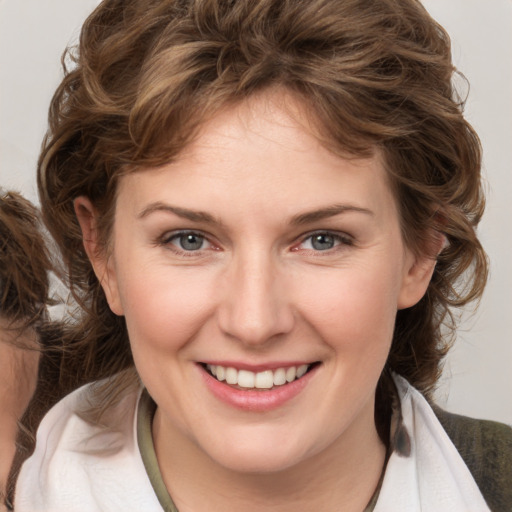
342 477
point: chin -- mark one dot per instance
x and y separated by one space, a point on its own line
261 465
260 456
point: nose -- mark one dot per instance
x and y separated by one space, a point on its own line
255 308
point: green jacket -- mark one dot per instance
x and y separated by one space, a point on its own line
486 447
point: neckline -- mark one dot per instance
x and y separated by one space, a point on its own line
145 414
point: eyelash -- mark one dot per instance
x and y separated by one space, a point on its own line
166 240
340 239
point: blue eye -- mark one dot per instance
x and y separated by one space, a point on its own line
191 242
188 241
324 241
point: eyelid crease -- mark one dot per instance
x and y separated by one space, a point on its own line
344 239
167 238
169 235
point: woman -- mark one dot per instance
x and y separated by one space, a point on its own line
33 348
24 266
267 210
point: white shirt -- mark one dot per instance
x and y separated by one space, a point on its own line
78 467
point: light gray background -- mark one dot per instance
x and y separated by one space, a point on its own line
477 380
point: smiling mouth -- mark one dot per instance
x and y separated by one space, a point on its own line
263 380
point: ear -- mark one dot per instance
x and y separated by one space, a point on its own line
418 270
102 262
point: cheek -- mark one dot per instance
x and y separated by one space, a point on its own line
353 309
163 309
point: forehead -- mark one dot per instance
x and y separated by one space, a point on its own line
267 112
268 151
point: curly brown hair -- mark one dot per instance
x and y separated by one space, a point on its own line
24 262
374 75
24 286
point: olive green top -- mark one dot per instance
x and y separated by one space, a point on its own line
486 448
146 412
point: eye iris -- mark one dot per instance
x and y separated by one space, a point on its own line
191 242
322 242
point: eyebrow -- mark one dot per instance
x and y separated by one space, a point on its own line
324 213
297 220
185 213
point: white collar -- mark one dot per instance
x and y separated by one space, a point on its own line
433 478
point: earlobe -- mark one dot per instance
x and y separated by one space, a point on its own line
102 263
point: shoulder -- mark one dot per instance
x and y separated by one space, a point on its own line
80 465
486 448
68 425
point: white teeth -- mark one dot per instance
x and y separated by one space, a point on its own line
291 373
220 373
231 376
301 370
262 380
246 379
279 377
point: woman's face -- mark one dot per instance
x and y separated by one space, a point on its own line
256 256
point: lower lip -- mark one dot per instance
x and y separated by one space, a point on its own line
253 400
